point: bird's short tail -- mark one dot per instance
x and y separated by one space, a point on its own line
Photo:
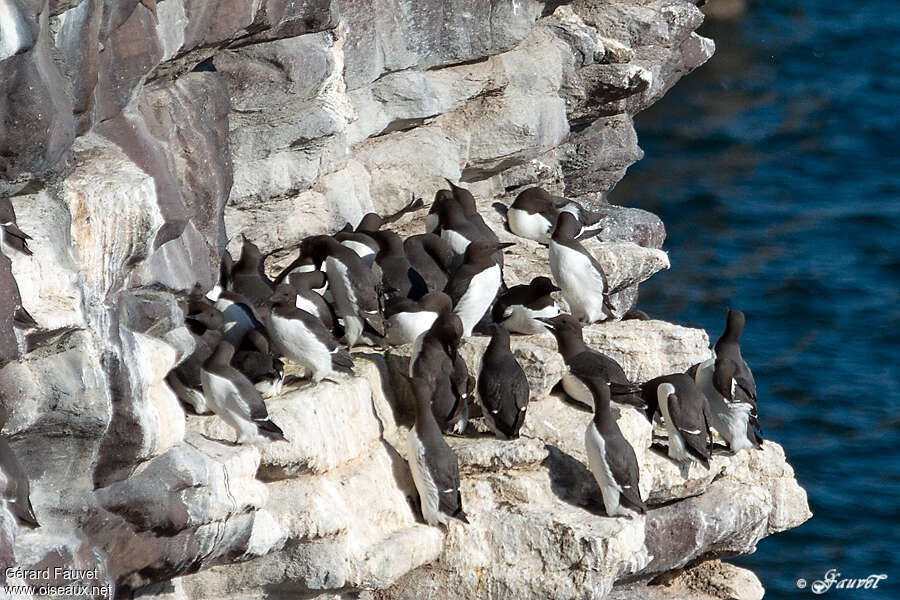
271 430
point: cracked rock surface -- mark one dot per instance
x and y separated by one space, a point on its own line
140 137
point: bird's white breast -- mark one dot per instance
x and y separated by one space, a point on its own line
299 343
582 286
422 477
457 241
521 319
477 298
405 327
531 226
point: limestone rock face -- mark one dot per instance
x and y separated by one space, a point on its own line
139 137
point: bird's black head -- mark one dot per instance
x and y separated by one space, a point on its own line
464 197
447 328
567 227
307 280
535 199
370 222
389 242
317 248
482 252
438 302
284 295
734 326
543 285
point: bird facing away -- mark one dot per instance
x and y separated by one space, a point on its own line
611 457
584 364
434 465
432 257
303 338
232 396
684 410
14 486
729 387
503 389
248 276
436 360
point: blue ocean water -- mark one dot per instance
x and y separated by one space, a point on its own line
776 168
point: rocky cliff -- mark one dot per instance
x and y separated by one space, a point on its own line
138 136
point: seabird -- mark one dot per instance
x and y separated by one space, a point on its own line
432 257
239 317
728 384
248 277
308 299
435 359
360 240
12 239
455 228
475 283
434 466
519 308
204 321
503 389
683 409
466 202
232 396
398 278
611 457
303 338
534 212
585 364
408 319
355 289
578 274
14 484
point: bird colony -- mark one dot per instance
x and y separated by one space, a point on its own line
366 286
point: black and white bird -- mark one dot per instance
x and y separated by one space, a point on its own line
360 239
239 317
578 274
467 203
503 389
204 322
232 396
683 409
302 338
475 283
356 290
611 458
432 258
520 307
408 319
455 228
534 212
248 276
15 492
398 277
12 239
728 384
585 364
433 464
305 285
435 358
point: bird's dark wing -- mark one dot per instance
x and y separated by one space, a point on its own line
442 463
459 283
625 471
690 420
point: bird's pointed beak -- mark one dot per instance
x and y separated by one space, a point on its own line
503 245
548 322
553 288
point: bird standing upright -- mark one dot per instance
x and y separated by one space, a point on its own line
503 389
434 465
611 457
